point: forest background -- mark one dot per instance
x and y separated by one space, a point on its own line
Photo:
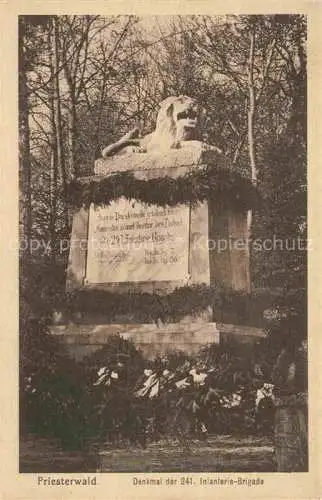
84 81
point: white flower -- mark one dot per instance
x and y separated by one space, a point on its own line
181 384
198 378
102 371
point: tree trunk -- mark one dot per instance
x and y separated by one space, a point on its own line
251 108
24 141
53 205
54 157
250 128
58 117
72 138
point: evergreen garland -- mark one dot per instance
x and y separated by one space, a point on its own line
219 185
144 307
222 186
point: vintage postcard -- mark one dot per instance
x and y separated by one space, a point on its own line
160 224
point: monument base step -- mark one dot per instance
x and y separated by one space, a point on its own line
150 338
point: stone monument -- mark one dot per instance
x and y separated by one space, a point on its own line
148 237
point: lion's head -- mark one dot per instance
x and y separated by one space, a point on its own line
178 120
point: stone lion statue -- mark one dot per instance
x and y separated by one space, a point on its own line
178 123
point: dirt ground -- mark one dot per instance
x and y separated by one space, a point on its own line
216 454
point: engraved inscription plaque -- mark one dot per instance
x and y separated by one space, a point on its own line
129 241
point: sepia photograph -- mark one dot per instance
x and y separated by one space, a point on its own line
162 245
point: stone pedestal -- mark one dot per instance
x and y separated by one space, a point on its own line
192 245
130 246
151 339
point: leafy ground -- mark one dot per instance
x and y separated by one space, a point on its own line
217 454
